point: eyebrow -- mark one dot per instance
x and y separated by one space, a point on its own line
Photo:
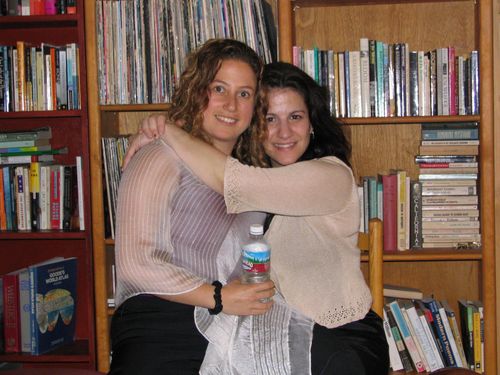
227 84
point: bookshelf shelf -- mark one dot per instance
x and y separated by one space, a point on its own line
133 107
405 120
74 353
20 249
39 114
43 235
316 3
57 21
431 255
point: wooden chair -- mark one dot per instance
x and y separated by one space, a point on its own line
373 242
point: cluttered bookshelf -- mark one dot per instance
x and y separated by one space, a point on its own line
45 190
389 141
385 142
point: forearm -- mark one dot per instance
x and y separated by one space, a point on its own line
204 160
237 298
202 297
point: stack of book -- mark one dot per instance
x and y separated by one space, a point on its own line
424 335
389 79
448 171
386 197
40 77
37 7
113 151
35 192
39 305
142 44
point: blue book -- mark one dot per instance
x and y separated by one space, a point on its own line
440 331
7 197
53 303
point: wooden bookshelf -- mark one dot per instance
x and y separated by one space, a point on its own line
69 129
336 24
425 25
496 116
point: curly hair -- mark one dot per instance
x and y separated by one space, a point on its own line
329 138
191 95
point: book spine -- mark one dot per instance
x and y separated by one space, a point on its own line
416 215
12 335
405 333
403 352
3 216
55 201
449 335
67 198
79 176
364 59
372 59
33 309
440 332
394 358
20 186
389 183
414 335
456 335
24 309
431 340
35 193
476 319
355 84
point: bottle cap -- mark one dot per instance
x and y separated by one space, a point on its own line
256 229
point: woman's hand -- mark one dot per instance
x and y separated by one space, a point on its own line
151 128
246 299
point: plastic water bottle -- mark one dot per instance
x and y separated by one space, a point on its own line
256 257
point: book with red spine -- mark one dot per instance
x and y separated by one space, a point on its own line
11 313
390 184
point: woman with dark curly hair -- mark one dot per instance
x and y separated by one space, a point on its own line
311 195
174 238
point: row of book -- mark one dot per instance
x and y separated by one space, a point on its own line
113 151
142 44
425 335
38 306
440 209
36 7
388 79
35 192
39 78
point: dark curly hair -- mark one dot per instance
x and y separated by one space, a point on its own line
191 95
329 138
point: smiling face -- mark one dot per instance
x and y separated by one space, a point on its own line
231 101
288 125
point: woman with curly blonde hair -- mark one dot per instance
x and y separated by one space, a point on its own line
175 243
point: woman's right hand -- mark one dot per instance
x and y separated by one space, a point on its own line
152 127
246 299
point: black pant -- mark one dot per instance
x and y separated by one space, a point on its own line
150 335
357 348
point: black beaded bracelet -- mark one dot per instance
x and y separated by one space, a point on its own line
217 298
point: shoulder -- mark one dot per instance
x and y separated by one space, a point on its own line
154 161
331 167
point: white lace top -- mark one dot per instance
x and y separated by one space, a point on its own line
315 261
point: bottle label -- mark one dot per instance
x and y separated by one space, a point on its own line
256 261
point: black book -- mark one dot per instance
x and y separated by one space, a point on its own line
403 352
